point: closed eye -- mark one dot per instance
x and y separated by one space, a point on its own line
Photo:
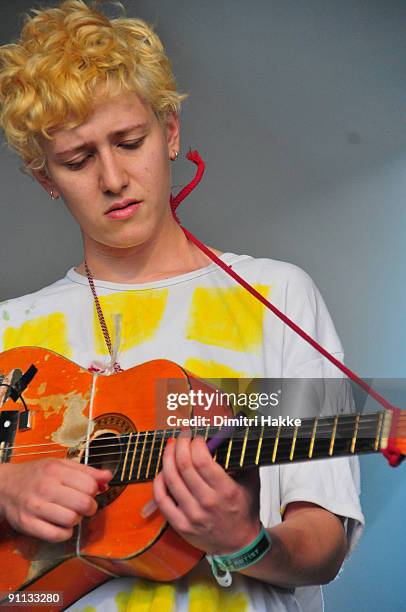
76 165
133 144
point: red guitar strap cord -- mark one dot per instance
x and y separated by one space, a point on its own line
391 452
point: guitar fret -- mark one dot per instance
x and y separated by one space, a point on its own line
313 438
386 427
142 454
126 457
130 475
244 446
229 447
292 450
161 446
275 446
354 437
378 431
321 437
259 446
333 436
150 455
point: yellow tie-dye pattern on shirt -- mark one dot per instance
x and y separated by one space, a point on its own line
208 368
220 376
151 597
49 332
121 600
141 314
231 318
205 596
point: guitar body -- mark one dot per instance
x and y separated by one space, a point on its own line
67 405
121 422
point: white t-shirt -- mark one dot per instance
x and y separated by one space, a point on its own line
214 328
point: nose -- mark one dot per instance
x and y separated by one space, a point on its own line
113 174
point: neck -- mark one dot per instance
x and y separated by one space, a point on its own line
258 444
169 253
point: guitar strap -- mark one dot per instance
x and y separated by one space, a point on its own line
391 452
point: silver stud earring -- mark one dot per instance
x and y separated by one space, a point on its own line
174 155
53 196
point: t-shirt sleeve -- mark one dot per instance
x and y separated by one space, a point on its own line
333 484
305 306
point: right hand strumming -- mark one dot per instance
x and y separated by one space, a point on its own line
47 498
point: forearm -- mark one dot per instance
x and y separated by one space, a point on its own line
307 548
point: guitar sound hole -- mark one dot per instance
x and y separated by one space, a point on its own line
105 452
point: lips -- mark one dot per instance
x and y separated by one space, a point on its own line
121 205
123 210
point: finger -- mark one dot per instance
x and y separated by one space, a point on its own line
187 470
58 515
75 500
210 471
96 473
173 479
81 481
46 531
167 506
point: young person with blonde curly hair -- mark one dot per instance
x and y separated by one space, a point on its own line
90 105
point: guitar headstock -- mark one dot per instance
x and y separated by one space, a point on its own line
400 444
393 441
400 432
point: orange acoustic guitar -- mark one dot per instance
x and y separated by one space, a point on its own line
52 408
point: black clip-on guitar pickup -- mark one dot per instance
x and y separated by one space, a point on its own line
19 382
22 381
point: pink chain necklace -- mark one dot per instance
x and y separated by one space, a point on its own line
102 320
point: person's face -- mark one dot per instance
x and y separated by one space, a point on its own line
121 152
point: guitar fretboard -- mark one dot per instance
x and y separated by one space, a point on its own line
140 453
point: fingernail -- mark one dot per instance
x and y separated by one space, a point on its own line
102 488
148 509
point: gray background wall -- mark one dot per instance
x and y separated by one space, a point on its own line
298 110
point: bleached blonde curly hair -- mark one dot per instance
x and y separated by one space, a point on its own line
48 78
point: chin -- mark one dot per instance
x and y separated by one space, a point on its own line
127 242
125 237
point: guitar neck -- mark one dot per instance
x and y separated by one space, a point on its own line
260 443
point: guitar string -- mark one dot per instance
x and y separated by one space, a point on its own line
266 456
117 453
367 419
321 427
142 435
253 448
371 417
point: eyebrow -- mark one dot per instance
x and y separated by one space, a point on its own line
84 145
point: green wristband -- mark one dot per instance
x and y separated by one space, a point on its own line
241 559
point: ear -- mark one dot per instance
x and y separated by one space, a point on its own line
46 182
173 134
